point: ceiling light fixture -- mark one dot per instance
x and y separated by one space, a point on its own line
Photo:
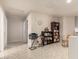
69 1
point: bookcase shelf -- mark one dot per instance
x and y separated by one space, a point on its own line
47 37
55 30
52 36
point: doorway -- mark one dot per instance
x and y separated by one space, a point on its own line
17 31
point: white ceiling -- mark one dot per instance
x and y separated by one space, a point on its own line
51 7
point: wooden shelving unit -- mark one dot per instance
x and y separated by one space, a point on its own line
52 36
47 37
56 32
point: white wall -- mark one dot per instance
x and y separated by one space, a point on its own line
73 47
29 28
3 30
68 25
15 28
76 24
37 22
26 30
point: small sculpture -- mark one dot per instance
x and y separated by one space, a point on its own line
46 29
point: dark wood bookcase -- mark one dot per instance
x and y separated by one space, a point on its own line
55 31
47 37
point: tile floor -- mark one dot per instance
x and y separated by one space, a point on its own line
52 51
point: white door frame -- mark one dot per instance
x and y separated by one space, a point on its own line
3 30
25 31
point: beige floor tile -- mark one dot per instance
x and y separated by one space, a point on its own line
52 51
